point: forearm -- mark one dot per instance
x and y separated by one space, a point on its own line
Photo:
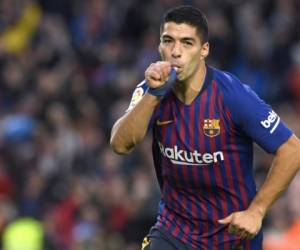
131 128
284 167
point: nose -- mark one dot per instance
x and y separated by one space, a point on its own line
176 51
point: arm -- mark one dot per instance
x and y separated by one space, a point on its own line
285 165
131 128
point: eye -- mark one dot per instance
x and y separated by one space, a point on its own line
167 40
187 43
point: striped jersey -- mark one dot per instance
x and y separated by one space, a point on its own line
203 157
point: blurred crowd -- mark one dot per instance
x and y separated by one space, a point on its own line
67 71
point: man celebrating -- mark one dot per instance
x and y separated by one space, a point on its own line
204 123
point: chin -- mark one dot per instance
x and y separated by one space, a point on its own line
180 77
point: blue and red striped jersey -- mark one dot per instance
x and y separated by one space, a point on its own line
203 157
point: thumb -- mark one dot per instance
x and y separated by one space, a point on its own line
226 220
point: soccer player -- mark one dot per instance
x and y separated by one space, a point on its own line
204 122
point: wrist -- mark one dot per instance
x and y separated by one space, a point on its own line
165 88
258 209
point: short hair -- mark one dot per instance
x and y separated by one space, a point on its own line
189 15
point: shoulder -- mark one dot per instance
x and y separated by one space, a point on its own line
239 98
233 90
228 82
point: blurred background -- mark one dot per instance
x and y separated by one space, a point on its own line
67 71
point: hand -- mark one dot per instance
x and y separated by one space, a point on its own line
157 74
245 224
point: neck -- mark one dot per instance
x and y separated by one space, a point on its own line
186 91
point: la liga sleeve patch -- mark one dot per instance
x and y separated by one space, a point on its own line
136 97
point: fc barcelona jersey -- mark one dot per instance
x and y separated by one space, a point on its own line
203 157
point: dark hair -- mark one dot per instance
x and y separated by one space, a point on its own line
189 15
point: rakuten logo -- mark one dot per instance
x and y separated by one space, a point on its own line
272 120
183 157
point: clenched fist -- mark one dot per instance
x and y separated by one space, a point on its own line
157 74
160 77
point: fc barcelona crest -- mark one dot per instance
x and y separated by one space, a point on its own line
211 127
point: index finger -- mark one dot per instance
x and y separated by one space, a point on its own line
165 68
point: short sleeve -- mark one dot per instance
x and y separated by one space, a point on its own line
256 118
137 95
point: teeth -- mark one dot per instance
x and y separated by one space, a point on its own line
176 68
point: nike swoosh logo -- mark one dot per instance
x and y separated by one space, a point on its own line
160 123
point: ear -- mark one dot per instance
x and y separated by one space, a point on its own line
159 48
160 51
204 50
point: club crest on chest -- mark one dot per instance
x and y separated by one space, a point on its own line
211 127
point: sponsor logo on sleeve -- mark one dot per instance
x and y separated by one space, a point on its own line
271 122
136 97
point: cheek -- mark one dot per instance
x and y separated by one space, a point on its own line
195 60
164 54
192 63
